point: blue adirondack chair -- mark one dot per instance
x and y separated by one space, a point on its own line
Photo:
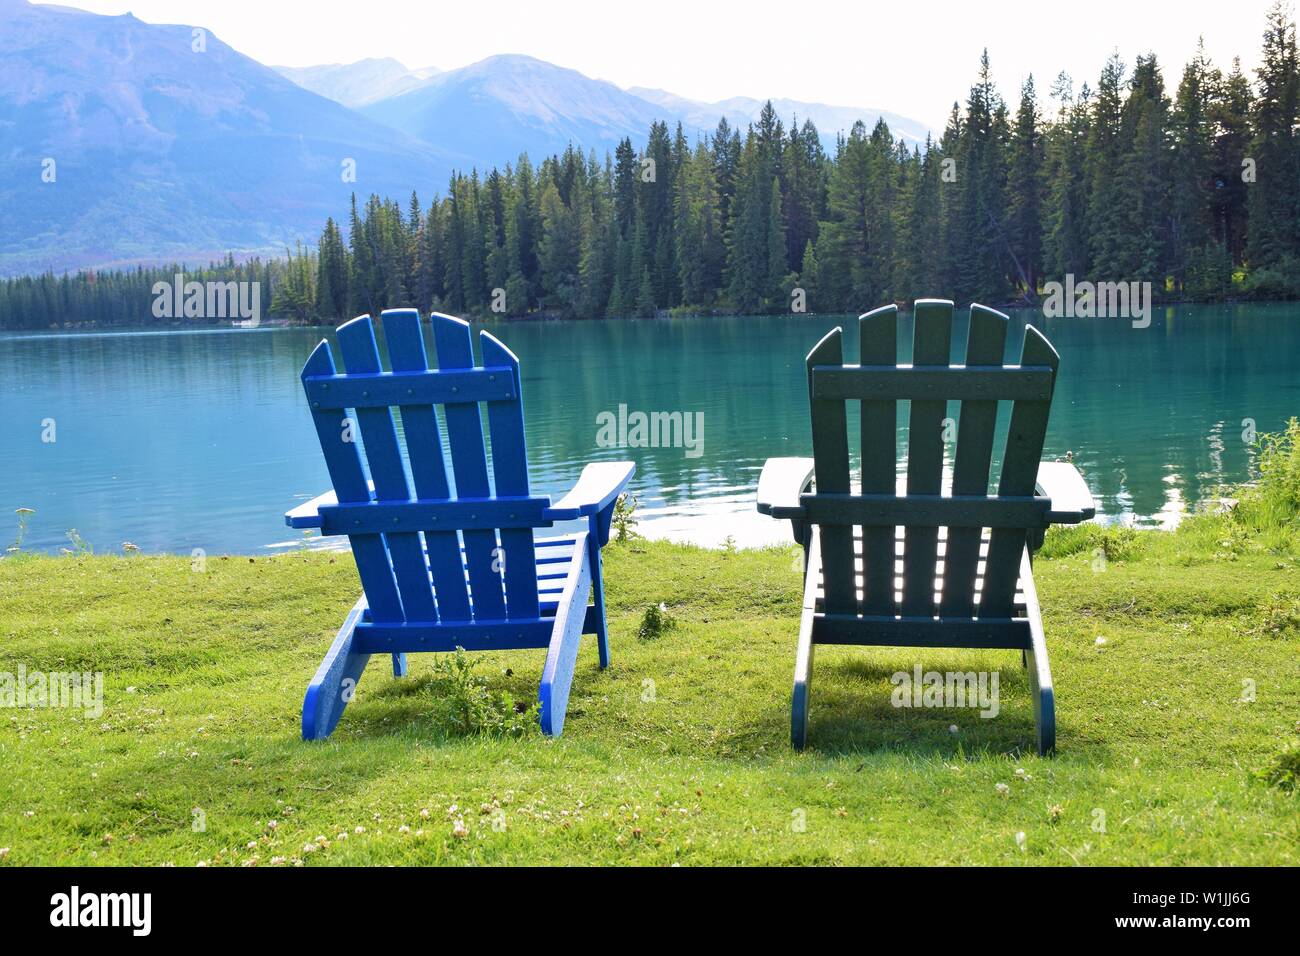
447 565
916 567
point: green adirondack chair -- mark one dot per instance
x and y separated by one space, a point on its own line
925 567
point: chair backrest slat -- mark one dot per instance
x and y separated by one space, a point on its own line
469 465
379 434
878 345
510 471
407 353
343 462
931 342
1025 438
831 469
985 346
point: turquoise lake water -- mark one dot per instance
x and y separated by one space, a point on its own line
201 439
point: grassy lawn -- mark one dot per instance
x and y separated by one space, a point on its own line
678 753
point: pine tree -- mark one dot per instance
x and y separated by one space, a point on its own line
1024 192
1272 197
809 275
1190 165
1230 111
1065 212
780 279
1105 216
332 275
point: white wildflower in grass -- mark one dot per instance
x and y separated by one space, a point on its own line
1002 789
277 860
4 852
1101 642
459 830
343 835
424 814
252 845
309 848
952 728
403 829
359 829
1020 840
201 863
271 824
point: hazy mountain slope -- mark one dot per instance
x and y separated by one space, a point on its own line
739 111
359 83
494 109
499 107
159 151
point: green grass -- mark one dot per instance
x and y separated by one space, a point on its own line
678 753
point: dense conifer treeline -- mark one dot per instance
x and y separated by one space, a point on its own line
1193 186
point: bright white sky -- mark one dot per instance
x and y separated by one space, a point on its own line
912 57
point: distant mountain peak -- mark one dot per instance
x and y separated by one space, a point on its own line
356 84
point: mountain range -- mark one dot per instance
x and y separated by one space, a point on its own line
123 141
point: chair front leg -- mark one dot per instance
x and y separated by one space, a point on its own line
335 682
599 626
803 658
1037 666
562 655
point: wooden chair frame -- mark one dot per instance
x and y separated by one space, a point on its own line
974 588
445 568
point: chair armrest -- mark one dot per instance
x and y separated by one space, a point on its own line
598 488
781 483
1071 500
307 514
